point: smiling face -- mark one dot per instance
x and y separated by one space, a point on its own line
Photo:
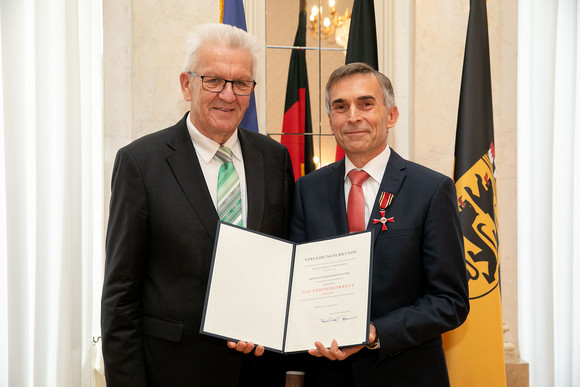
217 115
359 118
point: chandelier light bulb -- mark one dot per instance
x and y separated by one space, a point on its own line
314 11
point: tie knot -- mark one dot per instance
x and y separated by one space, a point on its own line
224 154
358 177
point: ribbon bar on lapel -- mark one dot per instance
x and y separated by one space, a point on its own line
385 200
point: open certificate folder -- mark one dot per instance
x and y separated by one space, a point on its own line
286 296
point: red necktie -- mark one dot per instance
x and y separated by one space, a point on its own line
355 209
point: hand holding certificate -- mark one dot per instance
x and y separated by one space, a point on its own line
286 296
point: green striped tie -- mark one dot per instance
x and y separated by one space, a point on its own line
229 197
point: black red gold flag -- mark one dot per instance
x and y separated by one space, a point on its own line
362 41
362 36
297 118
474 351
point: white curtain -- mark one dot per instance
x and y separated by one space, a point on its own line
51 189
548 190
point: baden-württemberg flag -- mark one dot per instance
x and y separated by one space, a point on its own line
232 13
474 351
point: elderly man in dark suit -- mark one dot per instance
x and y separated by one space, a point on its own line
169 190
419 283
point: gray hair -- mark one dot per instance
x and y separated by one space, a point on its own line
361 68
218 34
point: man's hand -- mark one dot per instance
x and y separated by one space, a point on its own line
242 346
335 353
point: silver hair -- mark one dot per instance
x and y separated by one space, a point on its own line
361 68
218 34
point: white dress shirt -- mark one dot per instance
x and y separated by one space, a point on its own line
206 148
376 169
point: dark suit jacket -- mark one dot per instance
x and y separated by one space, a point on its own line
159 246
419 286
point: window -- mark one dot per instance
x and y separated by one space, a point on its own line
322 57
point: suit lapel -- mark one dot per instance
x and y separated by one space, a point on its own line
255 181
391 183
336 197
184 163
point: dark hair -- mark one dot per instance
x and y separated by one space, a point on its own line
361 68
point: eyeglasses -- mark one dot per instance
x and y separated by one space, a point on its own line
216 85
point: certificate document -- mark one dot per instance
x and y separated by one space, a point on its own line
286 296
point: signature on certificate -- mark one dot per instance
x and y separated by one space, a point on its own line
337 319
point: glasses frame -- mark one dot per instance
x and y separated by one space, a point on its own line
225 83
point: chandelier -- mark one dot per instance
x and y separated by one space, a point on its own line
333 27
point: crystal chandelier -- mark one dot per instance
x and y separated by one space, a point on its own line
333 27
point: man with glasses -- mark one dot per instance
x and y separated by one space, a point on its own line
169 190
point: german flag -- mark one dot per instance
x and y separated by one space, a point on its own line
297 118
362 41
474 351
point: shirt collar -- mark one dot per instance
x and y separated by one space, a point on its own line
375 168
206 147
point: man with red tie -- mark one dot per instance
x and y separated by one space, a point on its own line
419 281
